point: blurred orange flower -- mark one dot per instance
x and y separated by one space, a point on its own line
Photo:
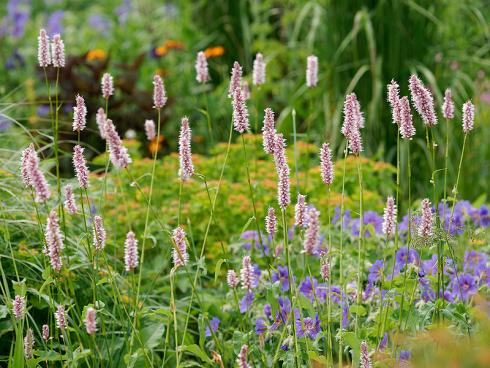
153 146
96 54
160 51
172 44
214 51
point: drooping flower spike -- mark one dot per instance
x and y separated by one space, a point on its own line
117 152
131 251
448 105
202 72
259 70
311 71
107 85
58 52
80 166
180 257
185 155
422 100
468 116
43 51
150 130
326 164
79 114
159 96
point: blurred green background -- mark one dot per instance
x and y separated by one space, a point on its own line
361 46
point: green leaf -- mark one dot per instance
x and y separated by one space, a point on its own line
358 309
196 350
353 341
217 269
20 287
152 335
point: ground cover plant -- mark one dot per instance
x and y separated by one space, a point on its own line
271 246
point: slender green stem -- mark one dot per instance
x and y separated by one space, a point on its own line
341 253
360 249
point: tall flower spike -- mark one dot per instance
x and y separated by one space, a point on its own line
353 119
24 164
326 164
468 116
232 279
45 332
150 130
79 114
393 99
245 90
43 52
202 72
426 221
70 204
19 307
422 100
58 52
107 85
185 153
311 71
36 177
312 236
91 321
282 168
268 131
80 166
324 268
247 274
28 344
236 79
300 211
271 222
131 252
448 105
355 142
180 257
159 97
54 240
259 70
117 152
100 119
99 233
240 112
60 317
407 130
358 115
389 217
365 360
283 190
242 357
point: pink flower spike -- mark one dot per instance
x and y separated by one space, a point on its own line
300 219
70 204
19 307
422 100
389 217
202 72
393 99
426 221
180 257
311 71
99 233
468 116
100 119
236 79
159 97
407 130
365 360
150 130
242 357
185 154
324 268
245 90
28 344
258 70
107 85
80 166
79 115
43 51
240 112
54 241
326 164
117 152
232 279
32 175
131 251
312 235
58 52
448 105
268 131
355 142
45 330
60 317
91 321
271 222
25 164
247 274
